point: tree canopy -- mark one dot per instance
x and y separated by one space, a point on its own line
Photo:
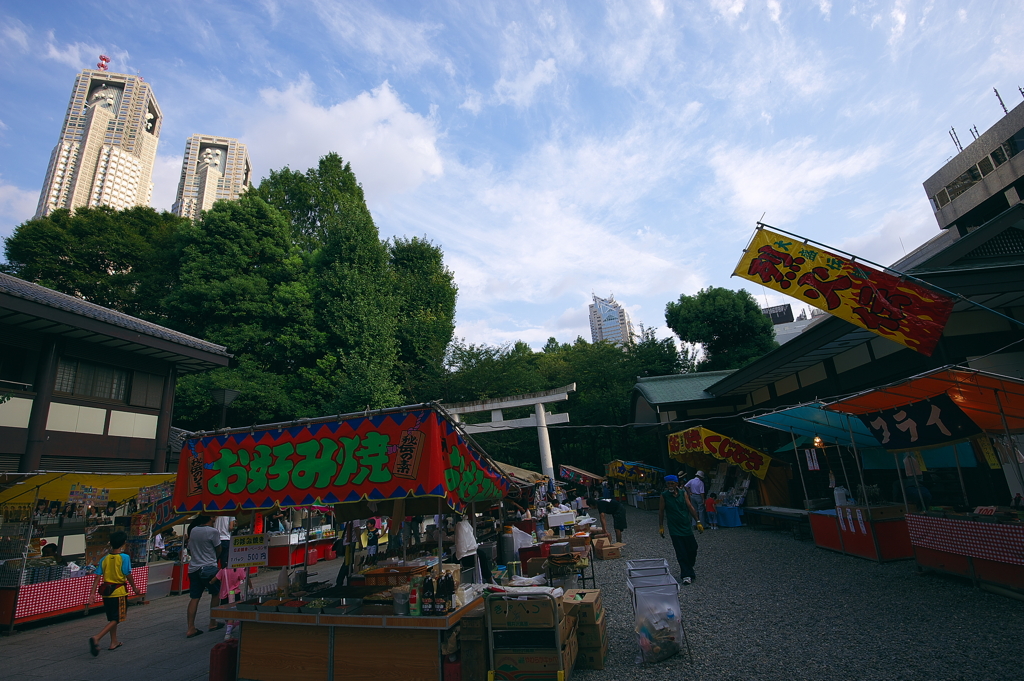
728 325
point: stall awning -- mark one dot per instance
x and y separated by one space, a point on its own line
809 420
578 475
702 441
415 456
633 470
984 397
522 475
19 488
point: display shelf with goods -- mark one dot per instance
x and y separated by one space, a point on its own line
633 481
74 513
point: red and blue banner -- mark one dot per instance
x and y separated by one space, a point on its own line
416 453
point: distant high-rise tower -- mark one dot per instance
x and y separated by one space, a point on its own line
107 145
610 322
213 168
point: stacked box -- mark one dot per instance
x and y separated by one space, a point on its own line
610 551
524 639
473 644
591 629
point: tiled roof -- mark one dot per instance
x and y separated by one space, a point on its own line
40 294
679 387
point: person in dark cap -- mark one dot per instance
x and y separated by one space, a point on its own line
677 506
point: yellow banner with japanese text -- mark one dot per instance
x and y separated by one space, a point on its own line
719 446
892 307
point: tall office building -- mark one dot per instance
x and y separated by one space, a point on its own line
610 322
107 145
213 168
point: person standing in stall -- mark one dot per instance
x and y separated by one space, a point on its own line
679 508
695 488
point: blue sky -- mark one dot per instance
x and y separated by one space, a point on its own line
553 150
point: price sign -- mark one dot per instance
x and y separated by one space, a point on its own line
249 550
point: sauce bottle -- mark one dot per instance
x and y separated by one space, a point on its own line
427 608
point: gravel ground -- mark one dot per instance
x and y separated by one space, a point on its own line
768 606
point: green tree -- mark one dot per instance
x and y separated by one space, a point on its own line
351 283
123 260
241 284
728 325
426 293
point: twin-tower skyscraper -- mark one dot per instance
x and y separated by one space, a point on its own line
107 150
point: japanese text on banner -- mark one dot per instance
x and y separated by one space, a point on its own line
894 308
720 447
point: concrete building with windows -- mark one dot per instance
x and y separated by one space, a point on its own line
88 388
610 322
107 145
983 180
213 168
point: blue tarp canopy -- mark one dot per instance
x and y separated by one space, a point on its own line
810 419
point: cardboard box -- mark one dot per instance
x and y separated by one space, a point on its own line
601 542
536 566
610 552
507 663
587 608
576 542
593 635
592 658
525 613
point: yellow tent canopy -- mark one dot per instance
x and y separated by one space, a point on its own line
20 488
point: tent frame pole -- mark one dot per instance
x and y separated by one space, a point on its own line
796 454
859 462
899 476
1011 448
960 474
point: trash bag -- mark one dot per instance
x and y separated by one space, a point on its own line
465 541
658 627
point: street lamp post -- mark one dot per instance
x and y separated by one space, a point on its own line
224 397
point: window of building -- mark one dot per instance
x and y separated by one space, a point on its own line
77 377
1015 144
985 166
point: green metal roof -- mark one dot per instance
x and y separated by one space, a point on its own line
679 387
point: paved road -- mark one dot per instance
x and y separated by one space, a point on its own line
764 606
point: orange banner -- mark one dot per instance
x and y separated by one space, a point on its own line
894 308
719 446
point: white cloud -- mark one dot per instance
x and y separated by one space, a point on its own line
825 7
729 9
472 103
899 22
16 206
786 179
391 149
13 31
774 10
521 89
399 42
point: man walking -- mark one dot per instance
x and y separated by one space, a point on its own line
695 488
204 549
680 509
615 509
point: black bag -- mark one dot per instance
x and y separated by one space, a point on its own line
106 589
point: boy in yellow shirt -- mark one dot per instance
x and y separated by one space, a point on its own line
115 572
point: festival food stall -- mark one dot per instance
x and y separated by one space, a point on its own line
408 461
822 442
579 476
634 480
940 408
76 512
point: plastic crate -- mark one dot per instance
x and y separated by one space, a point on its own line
393 576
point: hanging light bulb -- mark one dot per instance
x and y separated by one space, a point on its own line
818 442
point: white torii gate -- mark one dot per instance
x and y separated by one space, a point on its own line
539 420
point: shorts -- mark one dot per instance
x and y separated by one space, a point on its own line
200 581
225 551
116 608
619 519
712 517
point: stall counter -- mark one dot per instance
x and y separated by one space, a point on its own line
277 646
57 597
879 533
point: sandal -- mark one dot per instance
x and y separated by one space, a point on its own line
194 634
117 646
93 648
216 627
